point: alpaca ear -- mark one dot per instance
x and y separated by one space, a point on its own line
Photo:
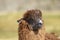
19 20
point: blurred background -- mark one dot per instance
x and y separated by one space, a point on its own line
12 10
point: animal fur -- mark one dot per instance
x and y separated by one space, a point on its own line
51 36
29 26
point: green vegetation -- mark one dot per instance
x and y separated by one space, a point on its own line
9 25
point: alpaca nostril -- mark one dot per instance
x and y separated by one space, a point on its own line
40 23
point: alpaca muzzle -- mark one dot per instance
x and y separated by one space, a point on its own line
38 25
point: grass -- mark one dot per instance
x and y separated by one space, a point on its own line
9 25
9 39
52 23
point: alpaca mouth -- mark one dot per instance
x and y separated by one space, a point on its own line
36 27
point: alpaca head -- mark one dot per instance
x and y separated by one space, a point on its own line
34 18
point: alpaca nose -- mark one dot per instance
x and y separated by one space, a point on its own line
40 22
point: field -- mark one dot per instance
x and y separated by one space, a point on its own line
9 25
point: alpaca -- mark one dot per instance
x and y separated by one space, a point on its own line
31 26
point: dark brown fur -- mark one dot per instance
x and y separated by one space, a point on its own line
25 29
